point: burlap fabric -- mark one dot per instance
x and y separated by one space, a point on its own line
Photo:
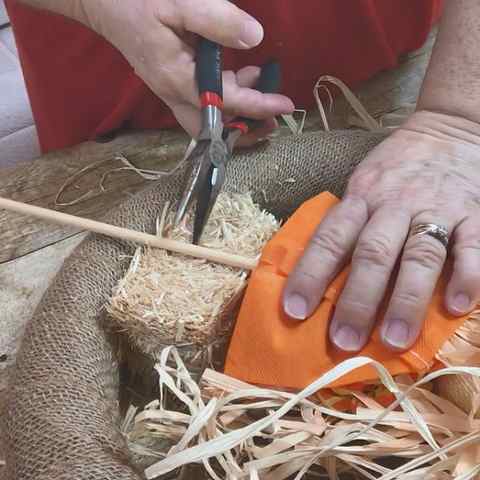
63 413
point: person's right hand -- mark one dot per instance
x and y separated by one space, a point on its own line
157 37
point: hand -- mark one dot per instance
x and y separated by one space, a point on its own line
428 171
157 38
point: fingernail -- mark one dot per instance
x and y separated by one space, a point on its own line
252 33
347 339
398 334
296 306
461 303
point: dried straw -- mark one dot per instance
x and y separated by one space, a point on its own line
167 299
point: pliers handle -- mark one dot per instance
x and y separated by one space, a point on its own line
210 88
209 73
268 82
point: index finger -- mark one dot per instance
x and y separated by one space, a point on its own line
327 253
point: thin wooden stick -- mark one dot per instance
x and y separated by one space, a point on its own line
60 218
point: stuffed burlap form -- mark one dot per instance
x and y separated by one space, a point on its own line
63 416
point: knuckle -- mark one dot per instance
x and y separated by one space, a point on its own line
408 298
167 92
174 85
362 180
309 281
377 251
232 108
330 242
353 207
183 11
229 76
169 13
363 312
429 254
468 245
306 273
467 237
238 104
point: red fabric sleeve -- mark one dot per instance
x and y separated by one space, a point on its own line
80 86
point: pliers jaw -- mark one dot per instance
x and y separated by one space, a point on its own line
210 174
195 162
211 183
212 123
207 171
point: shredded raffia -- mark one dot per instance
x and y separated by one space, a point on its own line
463 348
166 298
296 126
128 166
368 121
240 431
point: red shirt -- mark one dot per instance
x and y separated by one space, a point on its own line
80 86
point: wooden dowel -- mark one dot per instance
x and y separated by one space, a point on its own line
60 218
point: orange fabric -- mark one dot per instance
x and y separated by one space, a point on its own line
269 349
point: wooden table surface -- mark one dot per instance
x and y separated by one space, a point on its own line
31 252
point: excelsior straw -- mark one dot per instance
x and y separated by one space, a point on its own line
166 298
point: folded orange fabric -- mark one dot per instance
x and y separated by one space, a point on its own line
269 349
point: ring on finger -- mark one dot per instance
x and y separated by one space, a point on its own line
438 232
420 268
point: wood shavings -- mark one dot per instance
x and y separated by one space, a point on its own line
166 298
240 431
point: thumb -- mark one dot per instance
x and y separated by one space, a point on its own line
217 20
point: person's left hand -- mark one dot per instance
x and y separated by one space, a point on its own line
426 172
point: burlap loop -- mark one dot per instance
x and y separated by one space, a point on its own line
63 414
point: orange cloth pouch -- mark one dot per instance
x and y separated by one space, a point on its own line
269 349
